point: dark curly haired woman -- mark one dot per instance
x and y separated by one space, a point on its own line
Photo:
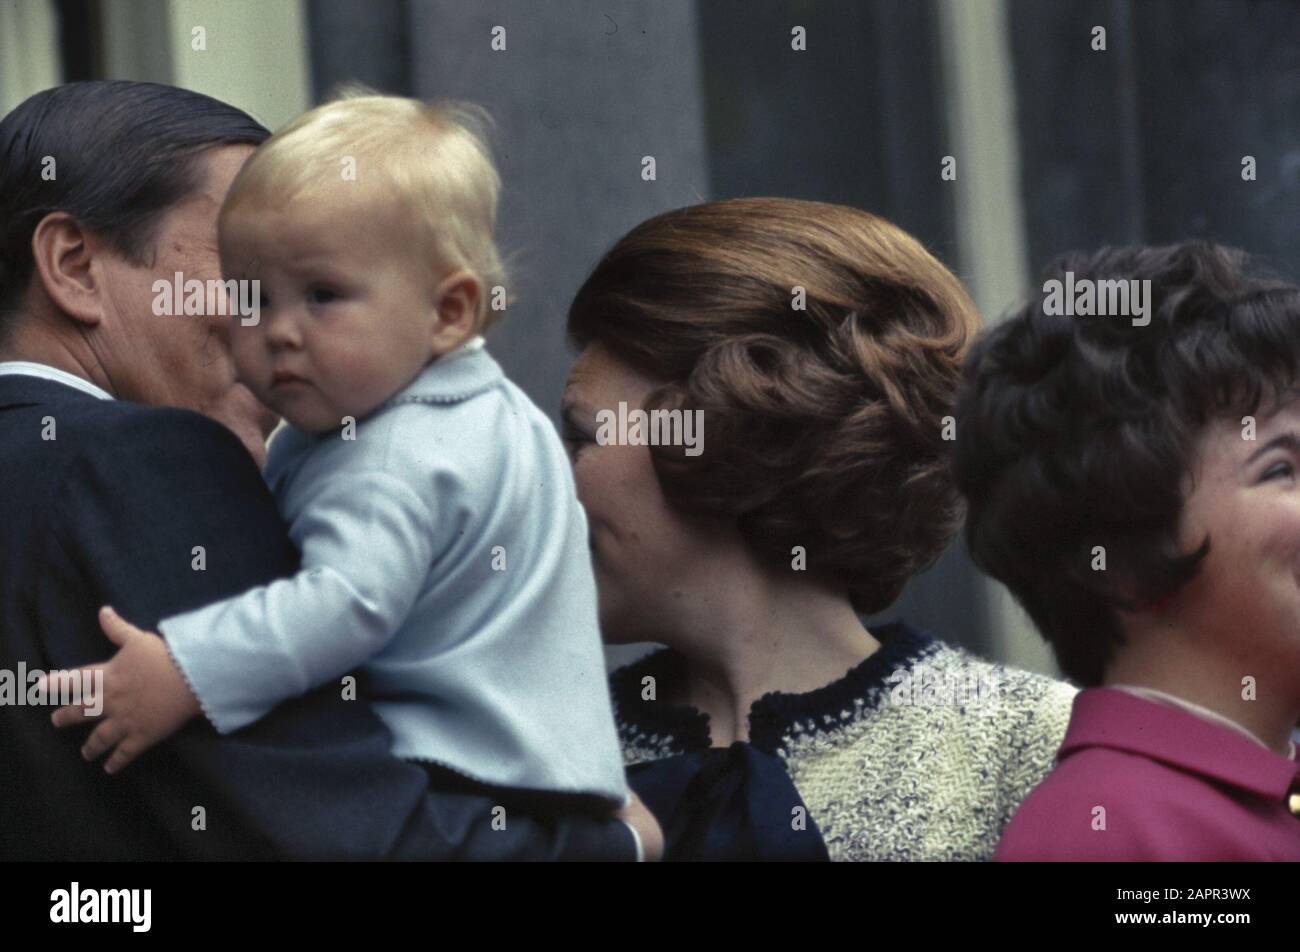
821 347
1136 484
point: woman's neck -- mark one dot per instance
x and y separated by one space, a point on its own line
758 635
1166 660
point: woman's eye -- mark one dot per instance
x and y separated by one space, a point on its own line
1280 469
322 295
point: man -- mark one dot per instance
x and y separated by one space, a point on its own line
117 487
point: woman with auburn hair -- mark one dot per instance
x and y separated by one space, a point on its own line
821 347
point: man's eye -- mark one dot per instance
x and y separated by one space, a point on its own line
322 295
574 440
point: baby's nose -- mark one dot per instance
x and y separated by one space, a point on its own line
282 331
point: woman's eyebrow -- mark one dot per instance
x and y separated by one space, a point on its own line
1289 440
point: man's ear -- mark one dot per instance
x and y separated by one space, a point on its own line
64 253
456 299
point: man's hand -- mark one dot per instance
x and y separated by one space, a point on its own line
145 698
639 817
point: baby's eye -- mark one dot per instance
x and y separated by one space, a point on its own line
322 295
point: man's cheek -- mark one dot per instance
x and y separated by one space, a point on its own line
248 351
262 415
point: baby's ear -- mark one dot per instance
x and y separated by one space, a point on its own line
457 301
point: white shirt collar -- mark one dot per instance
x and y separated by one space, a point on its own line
1151 694
31 369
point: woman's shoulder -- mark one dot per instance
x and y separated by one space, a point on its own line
1005 697
961 707
918 681
1017 719
944 752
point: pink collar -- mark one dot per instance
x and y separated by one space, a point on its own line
1107 717
1214 717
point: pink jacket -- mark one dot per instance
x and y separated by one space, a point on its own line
1138 780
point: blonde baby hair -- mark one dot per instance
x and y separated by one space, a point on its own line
433 157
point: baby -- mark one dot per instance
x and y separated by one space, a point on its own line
444 552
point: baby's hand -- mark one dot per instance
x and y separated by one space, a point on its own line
144 700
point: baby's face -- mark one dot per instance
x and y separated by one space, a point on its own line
348 303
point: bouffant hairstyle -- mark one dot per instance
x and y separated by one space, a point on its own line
824 346
1077 432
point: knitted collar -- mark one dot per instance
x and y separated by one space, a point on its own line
457 376
465 372
776 714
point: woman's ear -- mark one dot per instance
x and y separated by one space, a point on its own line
457 301
64 253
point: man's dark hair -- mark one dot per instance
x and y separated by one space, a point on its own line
123 153
1075 432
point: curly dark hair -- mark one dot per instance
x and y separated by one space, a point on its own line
825 424
1076 432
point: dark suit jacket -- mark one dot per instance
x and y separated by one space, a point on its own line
109 512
